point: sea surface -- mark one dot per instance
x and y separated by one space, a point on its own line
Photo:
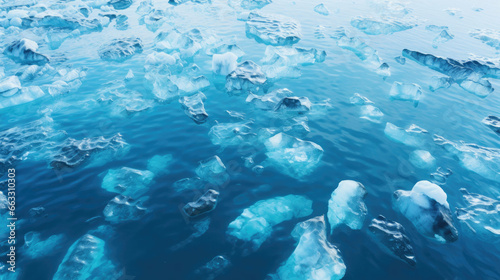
154 246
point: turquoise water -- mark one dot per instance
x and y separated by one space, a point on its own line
354 148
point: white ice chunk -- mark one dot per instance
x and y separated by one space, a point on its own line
223 64
347 206
406 92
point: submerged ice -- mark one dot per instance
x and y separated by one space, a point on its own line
272 29
347 206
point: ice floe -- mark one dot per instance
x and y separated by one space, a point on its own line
413 136
347 206
247 76
373 26
422 159
128 181
406 92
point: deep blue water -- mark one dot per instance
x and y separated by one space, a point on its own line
354 148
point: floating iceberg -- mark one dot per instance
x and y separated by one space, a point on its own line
481 160
213 171
414 136
481 216
34 247
314 258
247 76
256 222
426 207
272 29
87 259
24 51
487 36
206 203
372 26
124 209
213 268
194 107
223 64
406 92
120 49
293 156
492 122
231 134
422 159
347 206
371 113
128 181
393 236
322 9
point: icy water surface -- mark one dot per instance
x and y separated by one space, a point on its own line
251 139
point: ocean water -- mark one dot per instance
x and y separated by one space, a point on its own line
162 243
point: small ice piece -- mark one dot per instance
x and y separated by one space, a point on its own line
159 164
231 134
223 64
406 92
321 9
272 29
194 107
120 4
269 100
188 184
213 268
124 209
130 75
488 36
87 259
435 28
258 169
480 217
393 236
213 171
24 51
371 113
401 60
206 203
492 122
34 247
225 48
358 99
480 87
356 45
256 223
414 136
384 70
128 181
439 177
443 37
292 156
120 49
294 104
9 86
426 207
314 257
422 159
454 12
347 206
440 82
247 76
372 26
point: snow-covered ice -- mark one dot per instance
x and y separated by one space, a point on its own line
347 206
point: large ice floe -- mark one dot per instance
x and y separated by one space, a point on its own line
24 51
480 217
426 206
347 206
373 26
120 49
413 136
87 259
481 160
273 29
247 76
292 156
393 236
314 258
255 224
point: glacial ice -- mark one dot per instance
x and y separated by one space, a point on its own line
206 203
194 107
413 136
426 207
321 9
231 134
34 247
247 76
213 268
492 122
422 159
124 209
87 259
314 257
372 26
213 171
273 29
128 181
270 100
24 51
371 113
292 156
347 206
488 36
223 64
256 223
358 99
120 49
393 236
480 216
282 61
481 160
406 92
